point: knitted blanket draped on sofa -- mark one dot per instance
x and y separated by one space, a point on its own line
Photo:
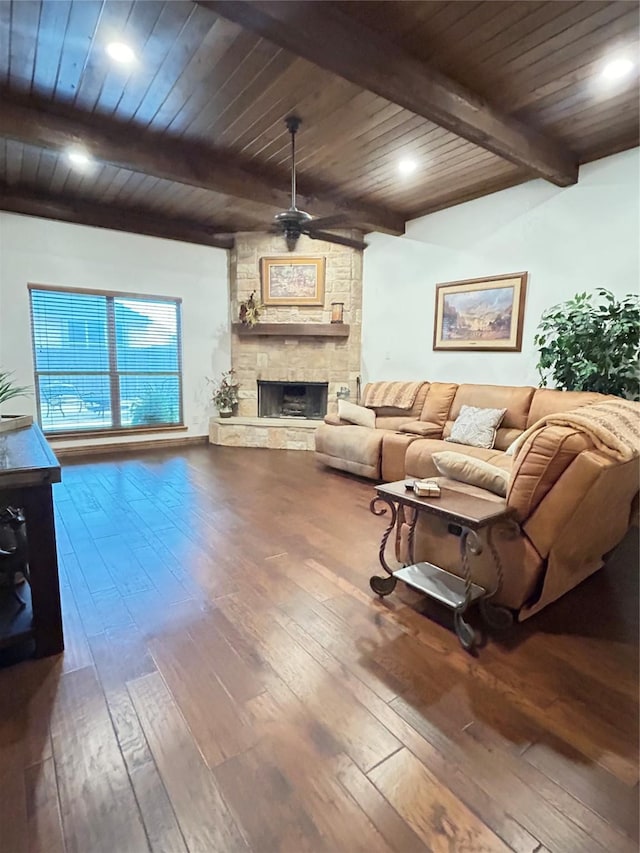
613 426
397 395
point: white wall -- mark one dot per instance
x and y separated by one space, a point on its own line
569 240
41 251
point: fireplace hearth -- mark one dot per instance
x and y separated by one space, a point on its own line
292 399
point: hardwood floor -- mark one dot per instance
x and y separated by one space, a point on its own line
231 684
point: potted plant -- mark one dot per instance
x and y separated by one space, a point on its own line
9 391
225 395
591 345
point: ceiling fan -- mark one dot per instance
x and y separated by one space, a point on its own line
293 222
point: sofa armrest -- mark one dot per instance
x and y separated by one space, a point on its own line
540 463
421 428
333 420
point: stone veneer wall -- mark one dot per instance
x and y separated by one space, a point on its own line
303 359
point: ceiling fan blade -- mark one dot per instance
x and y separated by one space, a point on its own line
336 238
329 221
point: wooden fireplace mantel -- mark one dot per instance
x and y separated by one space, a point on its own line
293 330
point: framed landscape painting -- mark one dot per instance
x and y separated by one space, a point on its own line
292 281
481 313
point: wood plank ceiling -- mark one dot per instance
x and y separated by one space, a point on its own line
191 136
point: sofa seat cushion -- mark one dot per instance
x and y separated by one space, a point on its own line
393 422
475 472
422 428
418 462
351 448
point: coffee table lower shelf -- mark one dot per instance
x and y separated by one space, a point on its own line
447 588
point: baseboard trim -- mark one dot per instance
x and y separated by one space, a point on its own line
128 446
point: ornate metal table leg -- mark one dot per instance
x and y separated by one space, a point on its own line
411 537
495 615
469 544
384 586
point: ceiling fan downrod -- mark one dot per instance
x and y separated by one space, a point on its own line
293 123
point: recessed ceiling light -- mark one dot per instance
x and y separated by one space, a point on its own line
79 158
617 68
407 166
120 51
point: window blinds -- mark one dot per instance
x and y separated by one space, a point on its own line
105 361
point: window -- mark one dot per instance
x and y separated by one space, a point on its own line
106 361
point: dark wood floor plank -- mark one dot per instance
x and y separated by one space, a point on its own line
119 659
432 811
44 823
592 785
449 772
157 812
76 648
217 723
364 739
204 819
99 809
493 774
241 679
593 825
397 833
13 801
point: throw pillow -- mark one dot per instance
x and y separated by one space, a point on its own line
475 472
356 414
476 427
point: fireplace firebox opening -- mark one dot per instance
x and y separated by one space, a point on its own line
292 399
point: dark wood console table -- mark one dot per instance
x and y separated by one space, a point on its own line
466 513
28 469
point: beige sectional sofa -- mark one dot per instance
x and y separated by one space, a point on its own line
573 502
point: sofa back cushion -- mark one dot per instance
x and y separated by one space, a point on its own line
540 463
438 402
547 401
516 399
411 414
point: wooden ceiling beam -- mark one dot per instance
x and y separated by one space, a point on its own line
16 199
327 36
179 160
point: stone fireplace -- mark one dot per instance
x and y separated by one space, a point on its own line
291 346
292 399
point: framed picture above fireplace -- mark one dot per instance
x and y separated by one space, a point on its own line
292 281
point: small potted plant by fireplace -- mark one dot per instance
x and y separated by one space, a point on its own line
225 395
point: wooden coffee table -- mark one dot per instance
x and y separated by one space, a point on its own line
467 515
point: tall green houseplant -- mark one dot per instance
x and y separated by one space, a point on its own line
8 390
591 343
